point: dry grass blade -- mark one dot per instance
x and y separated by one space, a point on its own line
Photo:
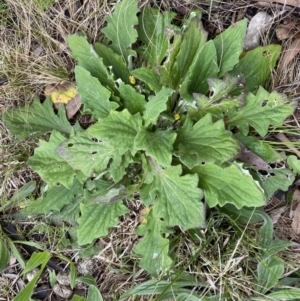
289 55
295 3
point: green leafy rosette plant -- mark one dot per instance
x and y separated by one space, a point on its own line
171 111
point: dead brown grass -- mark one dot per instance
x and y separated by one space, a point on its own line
33 54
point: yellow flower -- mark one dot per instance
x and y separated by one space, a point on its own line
176 116
132 79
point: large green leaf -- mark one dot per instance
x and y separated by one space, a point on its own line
204 67
54 199
155 30
82 153
257 64
229 46
119 128
120 28
94 96
149 77
153 248
96 219
49 165
231 184
113 60
156 105
87 58
158 144
193 41
38 118
177 199
205 141
133 101
261 111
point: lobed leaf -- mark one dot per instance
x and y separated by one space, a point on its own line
54 199
158 144
82 153
232 184
156 105
120 28
177 199
153 247
119 129
38 118
204 141
49 165
96 219
229 46
261 111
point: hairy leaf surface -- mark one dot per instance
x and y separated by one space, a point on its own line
158 144
204 67
155 30
156 105
230 184
87 58
96 219
86 155
119 128
261 111
49 165
113 60
94 96
205 141
120 28
153 248
55 198
38 118
176 198
257 64
133 101
193 40
229 46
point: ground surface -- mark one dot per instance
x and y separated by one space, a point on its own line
33 54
